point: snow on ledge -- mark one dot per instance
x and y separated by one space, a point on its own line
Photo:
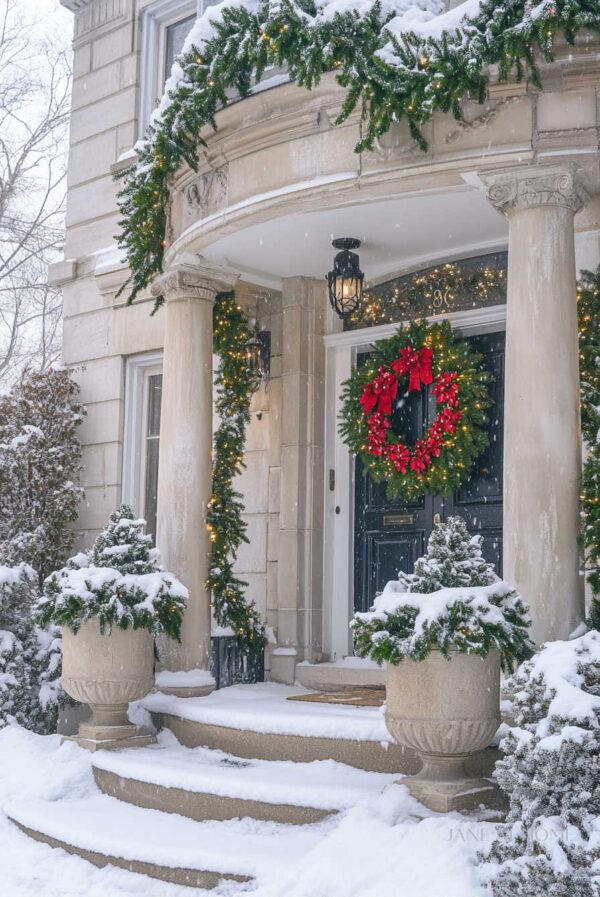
184 678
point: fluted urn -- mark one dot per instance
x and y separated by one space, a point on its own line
107 671
446 710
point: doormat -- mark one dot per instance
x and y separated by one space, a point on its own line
359 697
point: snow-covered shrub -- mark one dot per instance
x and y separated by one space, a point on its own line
29 656
119 582
550 844
40 459
452 602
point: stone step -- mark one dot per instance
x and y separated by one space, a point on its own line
258 722
172 848
206 784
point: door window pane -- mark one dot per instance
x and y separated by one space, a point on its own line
152 447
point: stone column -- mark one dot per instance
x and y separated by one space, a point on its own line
542 442
300 568
185 462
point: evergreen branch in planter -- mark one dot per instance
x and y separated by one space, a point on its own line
120 583
453 602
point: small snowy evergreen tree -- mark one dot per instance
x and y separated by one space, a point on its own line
29 657
40 459
453 601
453 559
124 546
550 844
119 583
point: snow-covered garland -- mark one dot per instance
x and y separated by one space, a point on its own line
588 294
415 356
235 386
392 56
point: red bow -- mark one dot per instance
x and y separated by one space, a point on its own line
381 393
417 363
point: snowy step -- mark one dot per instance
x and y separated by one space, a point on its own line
106 831
206 784
257 721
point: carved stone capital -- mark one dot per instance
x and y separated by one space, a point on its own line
185 281
527 188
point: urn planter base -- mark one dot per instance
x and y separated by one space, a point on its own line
444 785
111 738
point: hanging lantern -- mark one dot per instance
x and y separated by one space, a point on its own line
258 351
346 279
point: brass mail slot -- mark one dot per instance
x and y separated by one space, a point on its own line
399 519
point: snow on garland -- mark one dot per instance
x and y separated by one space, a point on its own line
234 387
452 602
588 295
550 770
397 59
414 357
119 583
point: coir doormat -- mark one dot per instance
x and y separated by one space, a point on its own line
359 697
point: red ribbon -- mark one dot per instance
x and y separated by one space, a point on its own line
381 393
417 364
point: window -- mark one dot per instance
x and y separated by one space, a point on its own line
165 25
143 387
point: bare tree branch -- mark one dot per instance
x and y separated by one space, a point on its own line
34 113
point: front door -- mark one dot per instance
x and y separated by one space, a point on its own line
390 536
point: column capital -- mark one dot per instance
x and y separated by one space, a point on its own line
511 190
185 280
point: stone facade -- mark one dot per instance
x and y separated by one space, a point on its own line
276 176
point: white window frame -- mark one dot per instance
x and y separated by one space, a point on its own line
155 19
138 370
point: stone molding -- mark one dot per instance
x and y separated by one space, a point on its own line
92 14
208 192
185 281
527 188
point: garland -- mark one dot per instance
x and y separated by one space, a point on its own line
442 459
391 76
234 387
588 295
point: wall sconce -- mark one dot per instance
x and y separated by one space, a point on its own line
346 279
258 351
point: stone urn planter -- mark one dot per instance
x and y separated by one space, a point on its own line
445 710
107 671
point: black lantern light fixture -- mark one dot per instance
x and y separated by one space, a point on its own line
346 280
258 351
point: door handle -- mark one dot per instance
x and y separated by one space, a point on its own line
437 519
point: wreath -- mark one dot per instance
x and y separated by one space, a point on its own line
417 357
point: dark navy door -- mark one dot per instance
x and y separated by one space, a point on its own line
390 536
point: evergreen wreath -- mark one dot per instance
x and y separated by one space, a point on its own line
235 385
415 357
390 76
